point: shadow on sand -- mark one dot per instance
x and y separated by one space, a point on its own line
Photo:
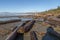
19 36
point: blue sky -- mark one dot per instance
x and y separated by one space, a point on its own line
27 5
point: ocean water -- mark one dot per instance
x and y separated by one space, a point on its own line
14 18
6 19
25 19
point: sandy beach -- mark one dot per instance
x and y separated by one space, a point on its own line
38 28
6 29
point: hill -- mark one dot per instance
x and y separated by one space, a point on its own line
54 12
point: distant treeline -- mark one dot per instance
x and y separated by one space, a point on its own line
52 11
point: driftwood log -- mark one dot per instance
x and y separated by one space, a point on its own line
27 27
13 35
33 35
10 21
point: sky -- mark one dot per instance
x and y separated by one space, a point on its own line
28 5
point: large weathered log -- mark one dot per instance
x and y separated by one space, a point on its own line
33 36
20 30
14 33
25 22
21 25
10 21
27 27
53 21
